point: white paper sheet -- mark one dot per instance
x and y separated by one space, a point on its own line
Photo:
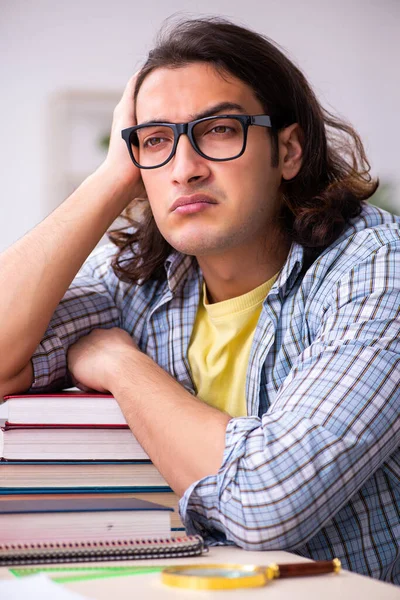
36 587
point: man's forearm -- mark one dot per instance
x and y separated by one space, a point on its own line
184 437
36 271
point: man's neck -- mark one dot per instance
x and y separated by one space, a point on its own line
241 270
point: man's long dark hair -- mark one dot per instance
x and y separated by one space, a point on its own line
334 179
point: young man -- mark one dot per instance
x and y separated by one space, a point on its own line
249 324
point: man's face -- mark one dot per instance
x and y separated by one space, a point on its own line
241 194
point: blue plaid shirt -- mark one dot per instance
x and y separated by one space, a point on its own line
315 466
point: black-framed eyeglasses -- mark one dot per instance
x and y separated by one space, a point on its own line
217 138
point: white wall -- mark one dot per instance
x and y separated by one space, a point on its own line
350 50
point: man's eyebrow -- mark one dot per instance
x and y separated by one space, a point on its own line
218 108
209 112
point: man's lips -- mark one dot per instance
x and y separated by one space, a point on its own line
193 199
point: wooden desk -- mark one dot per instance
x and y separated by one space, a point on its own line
345 586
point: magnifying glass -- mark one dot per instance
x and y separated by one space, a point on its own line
231 576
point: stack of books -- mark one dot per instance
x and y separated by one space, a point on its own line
70 446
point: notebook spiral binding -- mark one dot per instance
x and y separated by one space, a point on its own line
41 553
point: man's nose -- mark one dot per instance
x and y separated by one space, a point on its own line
187 164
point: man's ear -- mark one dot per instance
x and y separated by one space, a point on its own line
290 150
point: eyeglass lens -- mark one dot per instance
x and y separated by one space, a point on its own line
218 138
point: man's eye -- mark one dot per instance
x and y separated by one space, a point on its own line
153 141
221 129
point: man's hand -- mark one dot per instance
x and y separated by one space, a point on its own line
118 161
95 358
183 436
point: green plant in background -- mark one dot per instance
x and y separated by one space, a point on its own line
385 197
104 142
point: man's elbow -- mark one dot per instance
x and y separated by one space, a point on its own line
18 383
256 528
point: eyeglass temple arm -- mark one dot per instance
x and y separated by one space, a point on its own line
263 120
277 122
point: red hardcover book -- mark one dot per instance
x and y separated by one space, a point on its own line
66 426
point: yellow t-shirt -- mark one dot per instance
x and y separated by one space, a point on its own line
220 347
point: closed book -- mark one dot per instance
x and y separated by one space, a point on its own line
63 475
165 498
80 519
64 409
69 443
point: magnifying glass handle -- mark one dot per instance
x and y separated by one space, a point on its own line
318 567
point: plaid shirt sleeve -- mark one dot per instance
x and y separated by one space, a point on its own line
89 303
332 424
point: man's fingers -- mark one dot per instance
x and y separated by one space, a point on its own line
126 102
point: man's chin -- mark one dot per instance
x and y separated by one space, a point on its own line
195 247
201 250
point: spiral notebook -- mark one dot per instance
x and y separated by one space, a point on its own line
45 553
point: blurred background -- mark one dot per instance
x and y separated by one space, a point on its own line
64 65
